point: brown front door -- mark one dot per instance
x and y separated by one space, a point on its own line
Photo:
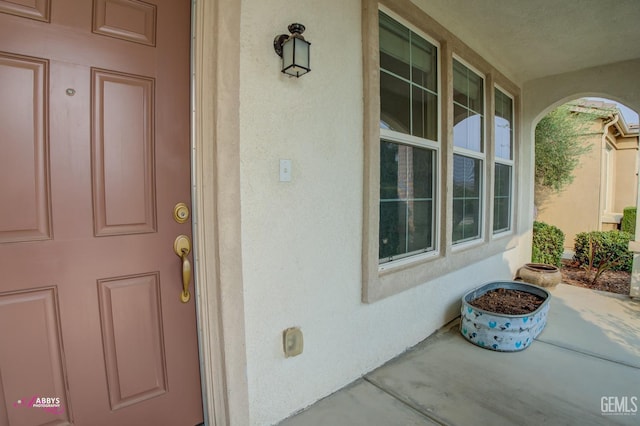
94 156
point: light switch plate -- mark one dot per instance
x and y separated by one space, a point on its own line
285 170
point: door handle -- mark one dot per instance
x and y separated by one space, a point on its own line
182 248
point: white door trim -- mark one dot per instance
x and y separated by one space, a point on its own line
216 210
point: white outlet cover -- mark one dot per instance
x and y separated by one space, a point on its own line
292 342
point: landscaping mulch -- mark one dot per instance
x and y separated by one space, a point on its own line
507 301
611 281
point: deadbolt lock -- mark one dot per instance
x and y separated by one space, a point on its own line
181 213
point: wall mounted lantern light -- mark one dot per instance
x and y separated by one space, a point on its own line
294 51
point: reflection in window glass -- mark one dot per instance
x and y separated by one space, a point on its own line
467 205
467 132
468 108
503 125
395 104
394 47
468 139
408 81
503 169
406 200
502 198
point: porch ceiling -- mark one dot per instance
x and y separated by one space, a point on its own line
528 39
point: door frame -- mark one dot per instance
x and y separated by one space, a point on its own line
215 127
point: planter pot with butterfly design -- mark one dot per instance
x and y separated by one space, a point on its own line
503 332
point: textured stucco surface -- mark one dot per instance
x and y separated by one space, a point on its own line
302 240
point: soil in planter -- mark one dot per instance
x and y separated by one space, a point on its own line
507 301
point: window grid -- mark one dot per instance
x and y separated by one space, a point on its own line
468 156
503 162
407 218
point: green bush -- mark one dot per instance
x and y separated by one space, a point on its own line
548 242
608 246
628 223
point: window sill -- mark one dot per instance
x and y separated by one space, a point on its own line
379 284
611 218
467 245
502 234
395 264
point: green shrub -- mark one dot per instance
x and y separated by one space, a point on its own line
608 246
548 242
628 223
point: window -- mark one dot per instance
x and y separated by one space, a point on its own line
503 167
406 138
408 141
468 153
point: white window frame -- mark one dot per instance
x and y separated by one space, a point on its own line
482 156
507 162
414 141
382 281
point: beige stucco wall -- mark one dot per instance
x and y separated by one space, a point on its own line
581 206
576 208
302 240
626 173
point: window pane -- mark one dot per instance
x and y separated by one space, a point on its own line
468 88
395 104
466 225
468 124
406 200
460 84
424 71
467 188
393 228
468 132
503 138
504 106
476 93
425 114
394 46
390 181
420 224
460 129
503 125
423 170
502 198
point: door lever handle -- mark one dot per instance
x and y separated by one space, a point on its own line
182 248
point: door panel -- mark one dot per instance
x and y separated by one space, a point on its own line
129 20
94 161
38 9
30 321
24 176
122 144
135 359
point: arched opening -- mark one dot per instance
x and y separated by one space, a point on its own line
601 194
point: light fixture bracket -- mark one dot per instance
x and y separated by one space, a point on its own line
295 29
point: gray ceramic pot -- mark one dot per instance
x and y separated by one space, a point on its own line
540 274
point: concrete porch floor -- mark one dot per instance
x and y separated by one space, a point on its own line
589 350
